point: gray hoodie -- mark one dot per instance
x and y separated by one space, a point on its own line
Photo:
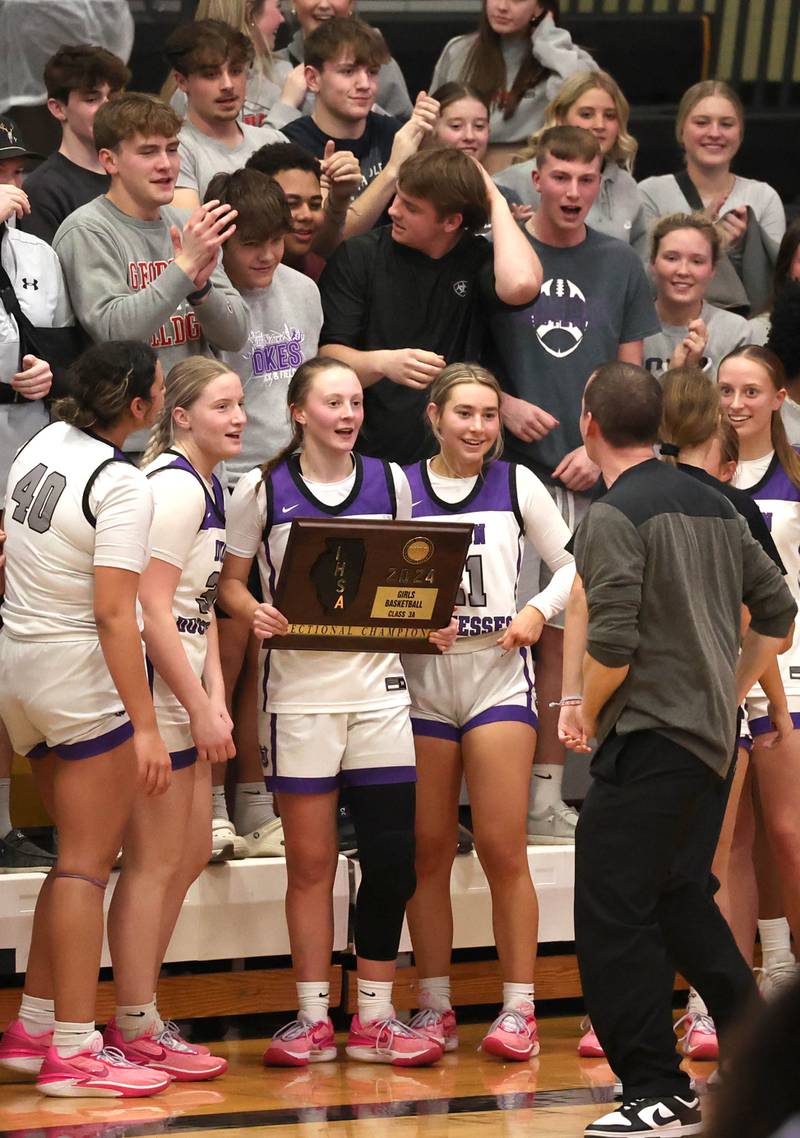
551 46
617 211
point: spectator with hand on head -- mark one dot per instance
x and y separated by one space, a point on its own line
401 301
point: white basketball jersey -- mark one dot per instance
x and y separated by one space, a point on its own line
779 501
315 681
73 502
189 533
487 600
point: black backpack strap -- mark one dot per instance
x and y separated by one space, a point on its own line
9 300
689 190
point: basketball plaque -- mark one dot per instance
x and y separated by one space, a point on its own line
352 585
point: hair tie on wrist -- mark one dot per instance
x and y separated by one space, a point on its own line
194 297
669 450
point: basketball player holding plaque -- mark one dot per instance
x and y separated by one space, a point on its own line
331 720
473 712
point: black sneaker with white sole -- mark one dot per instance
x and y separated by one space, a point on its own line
669 1115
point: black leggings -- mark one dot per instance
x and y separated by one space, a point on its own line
383 817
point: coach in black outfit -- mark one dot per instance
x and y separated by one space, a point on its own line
666 564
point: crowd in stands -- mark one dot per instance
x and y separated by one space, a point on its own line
292 217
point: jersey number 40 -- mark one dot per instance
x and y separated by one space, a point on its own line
36 499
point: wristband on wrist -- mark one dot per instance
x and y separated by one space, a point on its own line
196 297
567 701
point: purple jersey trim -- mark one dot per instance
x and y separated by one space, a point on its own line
774 484
182 759
505 713
214 517
490 494
435 729
762 724
88 748
378 776
302 785
369 497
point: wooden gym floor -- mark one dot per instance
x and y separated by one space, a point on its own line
554 1096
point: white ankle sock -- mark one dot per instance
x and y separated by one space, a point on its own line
313 1000
374 1000
71 1038
36 1015
776 942
253 807
5 807
696 1003
136 1020
515 995
434 992
546 779
219 807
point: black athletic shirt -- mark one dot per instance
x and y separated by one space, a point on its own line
377 294
372 150
56 189
744 505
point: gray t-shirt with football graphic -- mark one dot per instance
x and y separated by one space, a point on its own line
594 297
284 322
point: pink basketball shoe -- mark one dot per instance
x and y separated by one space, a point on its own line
699 1038
299 1043
590 1046
167 1051
97 1072
22 1052
513 1035
390 1041
437 1025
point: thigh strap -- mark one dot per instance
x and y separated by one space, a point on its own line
80 877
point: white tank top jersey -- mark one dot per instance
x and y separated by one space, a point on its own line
74 503
779 501
188 532
259 518
506 504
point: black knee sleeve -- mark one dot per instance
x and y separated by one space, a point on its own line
383 817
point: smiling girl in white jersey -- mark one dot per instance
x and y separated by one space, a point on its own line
752 388
75 698
332 720
168 841
473 711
